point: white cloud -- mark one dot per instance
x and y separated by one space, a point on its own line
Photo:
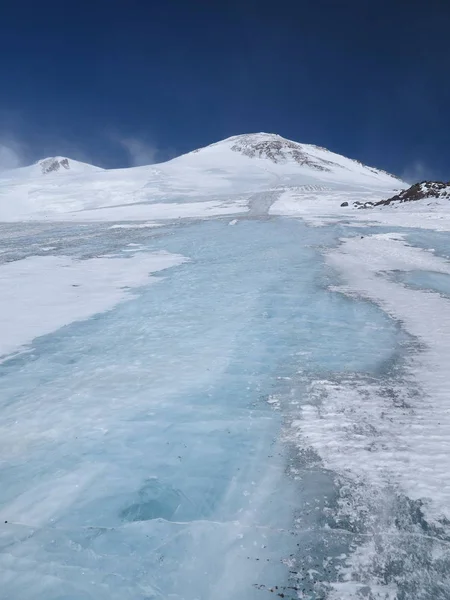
14 152
418 171
10 154
139 152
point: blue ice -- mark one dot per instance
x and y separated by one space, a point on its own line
427 280
148 463
438 243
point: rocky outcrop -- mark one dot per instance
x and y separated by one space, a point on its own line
278 150
51 165
419 191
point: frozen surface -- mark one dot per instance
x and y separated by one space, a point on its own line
261 421
134 225
415 457
388 436
41 294
426 280
121 480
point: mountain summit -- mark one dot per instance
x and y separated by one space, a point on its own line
274 152
277 149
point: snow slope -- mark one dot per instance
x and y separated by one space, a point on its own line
222 178
427 213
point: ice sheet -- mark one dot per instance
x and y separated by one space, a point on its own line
41 294
163 448
141 448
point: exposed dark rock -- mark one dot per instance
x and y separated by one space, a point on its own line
344 204
278 151
273 147
363 204
54 164
418 191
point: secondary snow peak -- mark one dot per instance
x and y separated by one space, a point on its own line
51 166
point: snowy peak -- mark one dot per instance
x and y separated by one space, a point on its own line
62 164
276 153
49 167
277 149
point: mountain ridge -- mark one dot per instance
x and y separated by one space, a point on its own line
270 146
229 176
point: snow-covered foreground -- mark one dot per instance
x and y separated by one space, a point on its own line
267 415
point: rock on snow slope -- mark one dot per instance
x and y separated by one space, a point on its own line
425 204
253 172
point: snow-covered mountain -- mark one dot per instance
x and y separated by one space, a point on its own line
285 156
243 173
50 166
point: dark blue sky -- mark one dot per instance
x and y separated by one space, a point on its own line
120 81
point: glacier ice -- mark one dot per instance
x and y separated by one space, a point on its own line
145 451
